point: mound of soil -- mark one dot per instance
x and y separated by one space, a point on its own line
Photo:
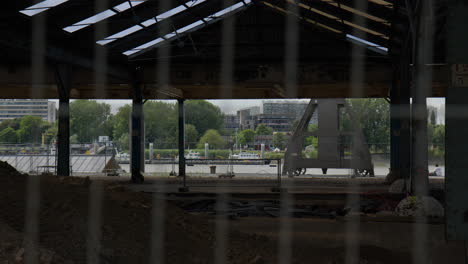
126 223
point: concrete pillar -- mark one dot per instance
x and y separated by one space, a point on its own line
137 142
180 103
151 152
207 146
262 151
63 79
456 123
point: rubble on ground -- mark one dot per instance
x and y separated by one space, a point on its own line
420 206
126 224
398 186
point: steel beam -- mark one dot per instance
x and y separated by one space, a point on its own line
181 138
137 144
63 136
456 123
400 108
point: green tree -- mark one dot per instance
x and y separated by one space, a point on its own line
31 129
436 135
279 140
90 119
50 133
191 135
213 138
13 123
161 123
123 142
262 129
8 135
433 117
312 128
246 136
373 117
203 115
121 121
74 139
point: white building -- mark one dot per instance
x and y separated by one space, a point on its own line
17 108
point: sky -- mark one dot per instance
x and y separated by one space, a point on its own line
231 106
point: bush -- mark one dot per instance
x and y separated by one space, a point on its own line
171 153
213 153
274 155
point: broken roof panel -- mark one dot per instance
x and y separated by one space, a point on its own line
318 14
368 44
355 11
103 15
189 28
41 7
150 22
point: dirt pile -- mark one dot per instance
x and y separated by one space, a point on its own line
126 223
12 249
6 170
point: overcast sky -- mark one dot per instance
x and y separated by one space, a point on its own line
231 106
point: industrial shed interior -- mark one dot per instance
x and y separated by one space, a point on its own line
325 51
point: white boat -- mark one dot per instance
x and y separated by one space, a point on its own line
122 157
192 155
245 155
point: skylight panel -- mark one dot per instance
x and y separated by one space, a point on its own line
228 10
120 34
41 7
151 21
103 15
370 45
191 27
144 46
126 5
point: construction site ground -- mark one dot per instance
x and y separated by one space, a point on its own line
320 219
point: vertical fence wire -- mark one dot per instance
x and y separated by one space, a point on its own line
158 215
226 84
33 194
158 231
93 240
423 82
357 84
285 254
95 196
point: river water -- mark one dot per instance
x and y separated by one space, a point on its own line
252 170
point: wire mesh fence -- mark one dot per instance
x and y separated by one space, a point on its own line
352 22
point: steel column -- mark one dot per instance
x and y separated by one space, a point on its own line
181 138
456 122
400 117
63 136
137 144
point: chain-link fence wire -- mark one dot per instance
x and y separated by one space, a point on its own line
33 197
95 210
422 21
352 227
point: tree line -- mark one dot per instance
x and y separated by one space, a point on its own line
90 119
